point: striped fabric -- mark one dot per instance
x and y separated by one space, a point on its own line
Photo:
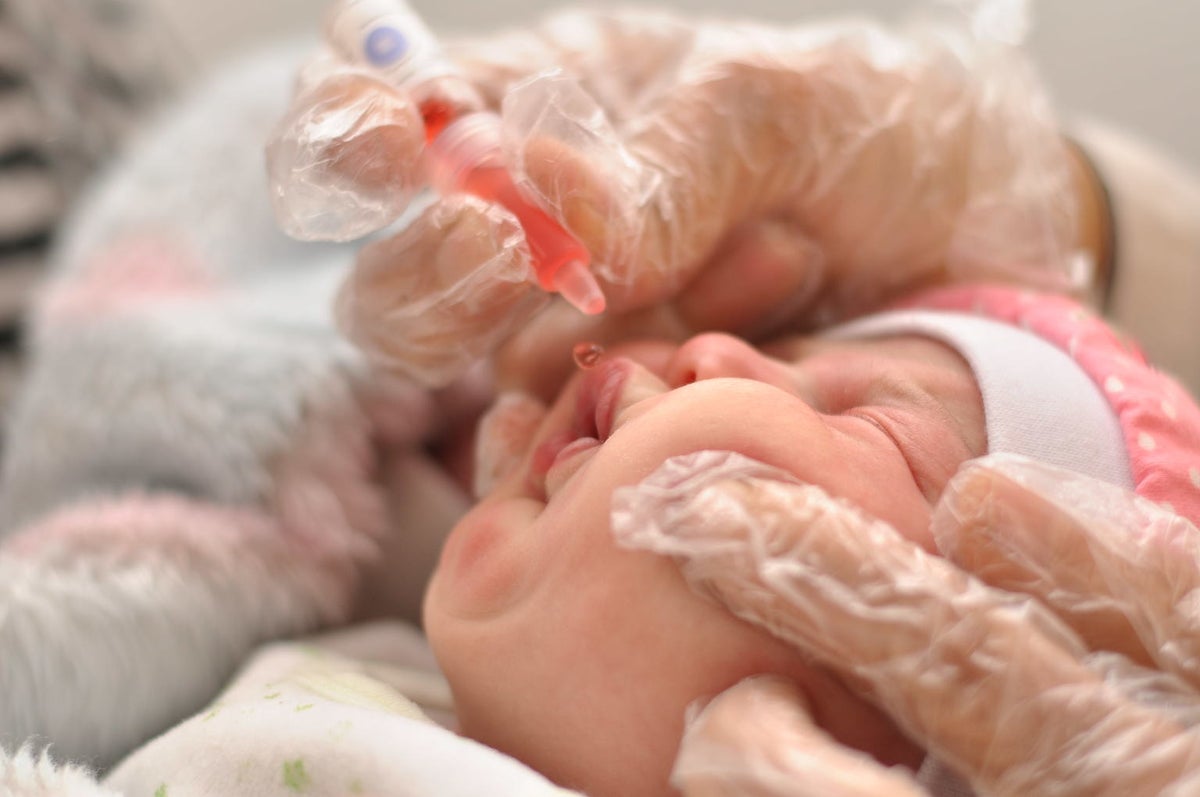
74 77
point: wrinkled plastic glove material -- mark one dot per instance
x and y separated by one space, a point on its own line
1020 695
723 753
678 152
433 321
329 180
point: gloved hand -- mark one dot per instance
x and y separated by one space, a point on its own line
1053 650
740 177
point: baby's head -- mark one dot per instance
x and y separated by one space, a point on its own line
580 658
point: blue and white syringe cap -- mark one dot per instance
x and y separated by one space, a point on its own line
388 37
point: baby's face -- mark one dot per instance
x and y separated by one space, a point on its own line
580 658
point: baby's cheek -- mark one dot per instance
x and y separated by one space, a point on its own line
486 562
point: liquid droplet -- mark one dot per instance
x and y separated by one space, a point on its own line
586 353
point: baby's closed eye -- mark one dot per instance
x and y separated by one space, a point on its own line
918 397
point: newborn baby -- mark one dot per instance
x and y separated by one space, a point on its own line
572 654
579 658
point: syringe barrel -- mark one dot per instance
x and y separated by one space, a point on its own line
468 157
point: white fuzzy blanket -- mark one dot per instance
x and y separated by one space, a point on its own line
197 462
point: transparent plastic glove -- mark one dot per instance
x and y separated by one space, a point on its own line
349 155
757 739
992 682
346 158
1123 572
438 296
873 161
837 164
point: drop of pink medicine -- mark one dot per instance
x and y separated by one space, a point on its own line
586 353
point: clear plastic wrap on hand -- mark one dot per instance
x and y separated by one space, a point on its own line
1122 571
756 739
928 154
502 436
347 157
345 160
350 153
331 150
989 681
434 299
684 154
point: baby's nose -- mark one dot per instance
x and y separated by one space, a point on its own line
714 355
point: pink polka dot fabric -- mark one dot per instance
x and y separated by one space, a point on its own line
1158 417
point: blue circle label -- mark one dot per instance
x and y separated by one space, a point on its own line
385 46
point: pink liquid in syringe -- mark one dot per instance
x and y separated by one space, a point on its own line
558 258
550 246
435 116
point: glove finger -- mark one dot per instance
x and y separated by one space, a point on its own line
1120 570
654 202
435 298
504 434
345 160
989 682
564 152
757 739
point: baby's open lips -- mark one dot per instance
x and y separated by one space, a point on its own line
601 395
597 399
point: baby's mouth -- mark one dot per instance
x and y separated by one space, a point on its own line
598 397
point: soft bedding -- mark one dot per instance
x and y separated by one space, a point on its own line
350 713
198 464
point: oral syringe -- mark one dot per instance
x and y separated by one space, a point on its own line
464 148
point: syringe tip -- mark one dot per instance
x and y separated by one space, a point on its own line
577 285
